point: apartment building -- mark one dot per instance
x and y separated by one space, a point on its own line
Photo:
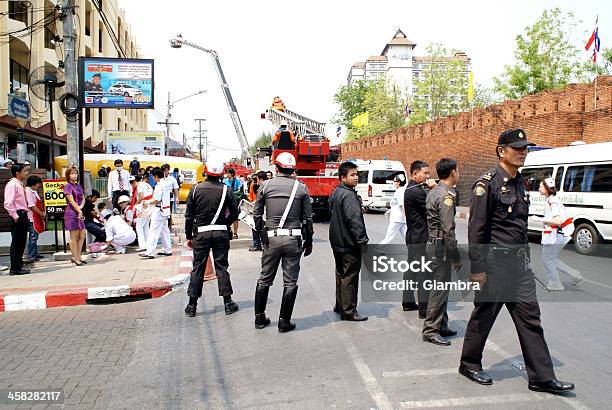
31 37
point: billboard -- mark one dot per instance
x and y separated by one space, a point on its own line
116 82
135 142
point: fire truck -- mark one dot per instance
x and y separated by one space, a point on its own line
305 139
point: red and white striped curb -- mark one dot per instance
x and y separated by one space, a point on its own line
80 296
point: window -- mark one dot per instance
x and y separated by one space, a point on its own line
18 75
588 178
363 177
100 38
533 176
559 177
99 117
381 177
18 10
87 116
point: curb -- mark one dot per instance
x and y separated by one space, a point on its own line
83 296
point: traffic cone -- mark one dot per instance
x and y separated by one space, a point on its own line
209 273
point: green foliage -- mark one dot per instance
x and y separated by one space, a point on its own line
442 87
263 141
603 67
545 57
484 96
381 102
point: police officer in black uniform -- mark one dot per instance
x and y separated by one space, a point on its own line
285 234
441 250
211 209
499 255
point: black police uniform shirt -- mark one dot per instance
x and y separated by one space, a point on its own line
415 198
202 204
499 209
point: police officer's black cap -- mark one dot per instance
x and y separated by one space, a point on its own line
514 137
97 75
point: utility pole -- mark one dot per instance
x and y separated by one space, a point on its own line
200 132
167 123
70 58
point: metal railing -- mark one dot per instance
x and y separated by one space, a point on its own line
297 123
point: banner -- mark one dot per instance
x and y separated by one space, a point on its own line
135 142
116 83
54 198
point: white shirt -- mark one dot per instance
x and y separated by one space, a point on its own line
144 189
161 193
116 227
113 182
554 207
397 206
171 185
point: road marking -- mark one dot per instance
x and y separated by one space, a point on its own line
186 264
186 253
27 301
473 401
369 380
421 372
178 281
592 282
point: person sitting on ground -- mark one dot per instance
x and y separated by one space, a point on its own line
118 233
92 223
103 212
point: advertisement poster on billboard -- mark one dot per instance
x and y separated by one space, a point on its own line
116 82
135 142
54 198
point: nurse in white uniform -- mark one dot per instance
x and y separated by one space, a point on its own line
118 233
397 217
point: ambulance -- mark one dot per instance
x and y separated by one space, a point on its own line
191 169
583 177
375 185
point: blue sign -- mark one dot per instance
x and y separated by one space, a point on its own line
116 82
18 107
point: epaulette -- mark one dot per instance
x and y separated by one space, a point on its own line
489 175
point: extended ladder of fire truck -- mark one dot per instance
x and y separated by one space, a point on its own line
298 124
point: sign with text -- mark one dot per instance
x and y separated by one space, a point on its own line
116 82
18 107
135 142
54 198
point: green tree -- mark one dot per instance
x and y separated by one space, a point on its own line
545 57
263 141
381 101
484 96
603 67
441 89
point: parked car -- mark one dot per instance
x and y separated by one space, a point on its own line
583 177
124 89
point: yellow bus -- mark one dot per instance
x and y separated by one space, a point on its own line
191 169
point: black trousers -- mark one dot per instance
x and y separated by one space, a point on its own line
96 230
116 195
19 237
281 249
414 253
436 319
510 283
348 266
203 243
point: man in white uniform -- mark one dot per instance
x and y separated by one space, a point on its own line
160 212
118 233
144 193
397 217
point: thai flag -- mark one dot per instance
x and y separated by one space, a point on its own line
338 131
594 40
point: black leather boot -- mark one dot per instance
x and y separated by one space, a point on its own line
191 307
230 305
284 321
261 299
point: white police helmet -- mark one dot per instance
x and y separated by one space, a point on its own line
285 160
214 168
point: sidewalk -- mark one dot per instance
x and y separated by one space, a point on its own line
106 279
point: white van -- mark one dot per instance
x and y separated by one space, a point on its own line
375 186
583 175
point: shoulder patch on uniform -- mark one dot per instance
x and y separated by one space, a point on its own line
449 200
479 190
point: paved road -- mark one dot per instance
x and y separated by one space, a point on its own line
149 354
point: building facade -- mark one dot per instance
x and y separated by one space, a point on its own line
399 66
32 37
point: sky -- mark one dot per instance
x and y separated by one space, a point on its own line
303 50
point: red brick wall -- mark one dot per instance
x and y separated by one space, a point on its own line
551 118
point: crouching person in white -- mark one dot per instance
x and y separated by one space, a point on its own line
160 212
118 233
